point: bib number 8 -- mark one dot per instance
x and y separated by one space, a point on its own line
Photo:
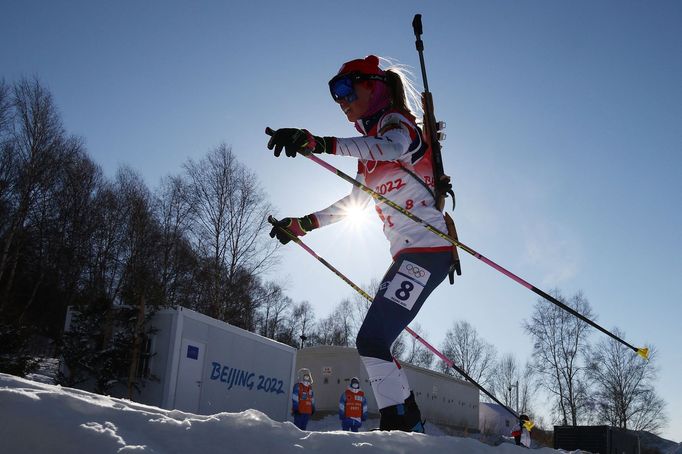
403 293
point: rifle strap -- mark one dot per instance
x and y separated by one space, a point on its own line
455 266
422 182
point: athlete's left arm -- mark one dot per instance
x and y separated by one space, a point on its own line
356 200
395 138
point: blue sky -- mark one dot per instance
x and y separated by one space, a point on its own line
564 135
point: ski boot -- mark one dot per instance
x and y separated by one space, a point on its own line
413 417
405 417
392 417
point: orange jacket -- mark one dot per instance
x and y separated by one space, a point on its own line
353 404
303 400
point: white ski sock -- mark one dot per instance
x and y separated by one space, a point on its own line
389 382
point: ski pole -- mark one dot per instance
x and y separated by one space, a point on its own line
365 295
643 352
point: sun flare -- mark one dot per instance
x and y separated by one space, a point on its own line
357 216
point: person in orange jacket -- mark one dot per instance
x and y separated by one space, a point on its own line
352 406
303 399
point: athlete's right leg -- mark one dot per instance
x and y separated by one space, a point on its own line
404 288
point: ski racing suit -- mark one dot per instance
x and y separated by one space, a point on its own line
393 158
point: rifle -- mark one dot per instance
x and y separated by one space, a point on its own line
433 134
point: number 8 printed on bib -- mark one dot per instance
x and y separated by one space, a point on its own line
407 284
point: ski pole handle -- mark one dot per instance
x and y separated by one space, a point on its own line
272 220
417 27
419 44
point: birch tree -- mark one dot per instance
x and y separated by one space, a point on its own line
624 394
469 352
560 340
229 227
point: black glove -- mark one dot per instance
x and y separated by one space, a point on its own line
324 144
295 140
296 226
443 185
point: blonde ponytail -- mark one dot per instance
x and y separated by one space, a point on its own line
404 95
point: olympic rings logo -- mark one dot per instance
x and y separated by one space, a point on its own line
415 270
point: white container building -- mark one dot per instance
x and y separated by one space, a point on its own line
201 365
495 420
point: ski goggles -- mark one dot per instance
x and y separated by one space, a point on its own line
341 86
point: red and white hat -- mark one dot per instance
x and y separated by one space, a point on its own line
368 65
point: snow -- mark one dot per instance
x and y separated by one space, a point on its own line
38 417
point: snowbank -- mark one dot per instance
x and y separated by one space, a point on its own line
42 418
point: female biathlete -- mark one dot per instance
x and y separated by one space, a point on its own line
394 160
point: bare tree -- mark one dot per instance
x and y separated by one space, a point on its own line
274 306
527 387
513 384
5 111
560 340
177 259
304 314
337 327
415 352
342 325
42 240
81 181
36 138
47 186
141 240
7 169
121 288
343 315
301 322
229 225
69 236
506 381
328 332
6 156
50 225
469 352
102 277
141 270
625 395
